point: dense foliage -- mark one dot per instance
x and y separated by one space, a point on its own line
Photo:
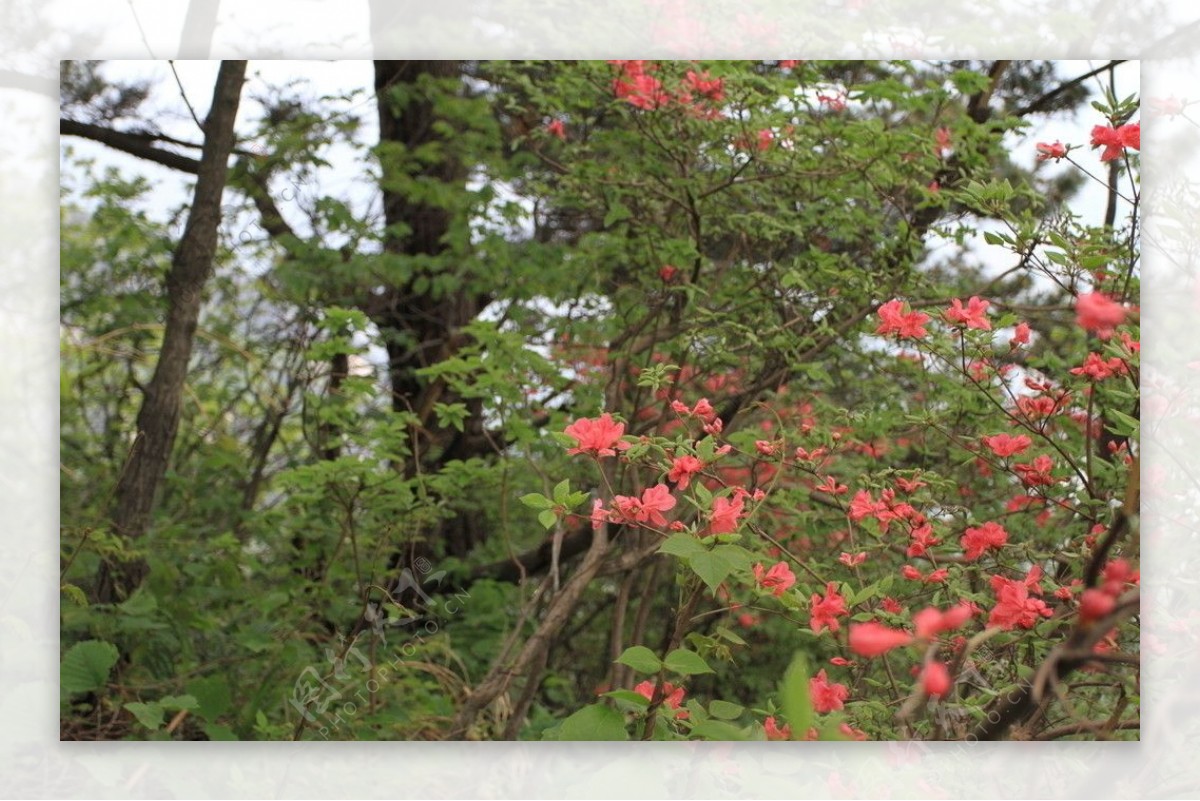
613 400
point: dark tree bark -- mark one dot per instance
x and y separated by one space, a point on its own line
422 327
158 418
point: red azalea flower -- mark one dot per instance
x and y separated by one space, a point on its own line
826 697
778 579
874 639
825 611
601 437
973 316
1055 151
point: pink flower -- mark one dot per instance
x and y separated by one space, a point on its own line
920 540
765 137
825 611
672 696
935 680
667 274
836 102
682 470
778 579
1097 368
930 622
974 316
1020 335
830 485
655 501
862 505
1037 472
942 146
896 321
1115 140
725 514
776 733
701 83
977 540
764 447
853 560
556 128
1095 604
937 576
1098 313
1013 606
826 697
638 88
1055 151
874 639
1004 445
601 436
911 573
891 605
599 513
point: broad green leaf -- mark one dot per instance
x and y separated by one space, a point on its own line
725 710
726 634
641 659
685 662
594 722
142 602
796 701
177 702
86 665
547 518
216 731
684 545
629 696
149 715
74 594
537 500
212 696
711 567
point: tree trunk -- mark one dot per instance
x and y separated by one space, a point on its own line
158 419
420 325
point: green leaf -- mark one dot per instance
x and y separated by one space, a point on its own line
1126 425
641 659
74 594
177 702
725 710
594 722
85 666
212 696
726 634
683 545
149 715
685 662
561 490
537 500
797 703
547 518
718 730
216 731
142 602
630 697
712 568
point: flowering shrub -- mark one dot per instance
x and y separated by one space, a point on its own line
949 535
